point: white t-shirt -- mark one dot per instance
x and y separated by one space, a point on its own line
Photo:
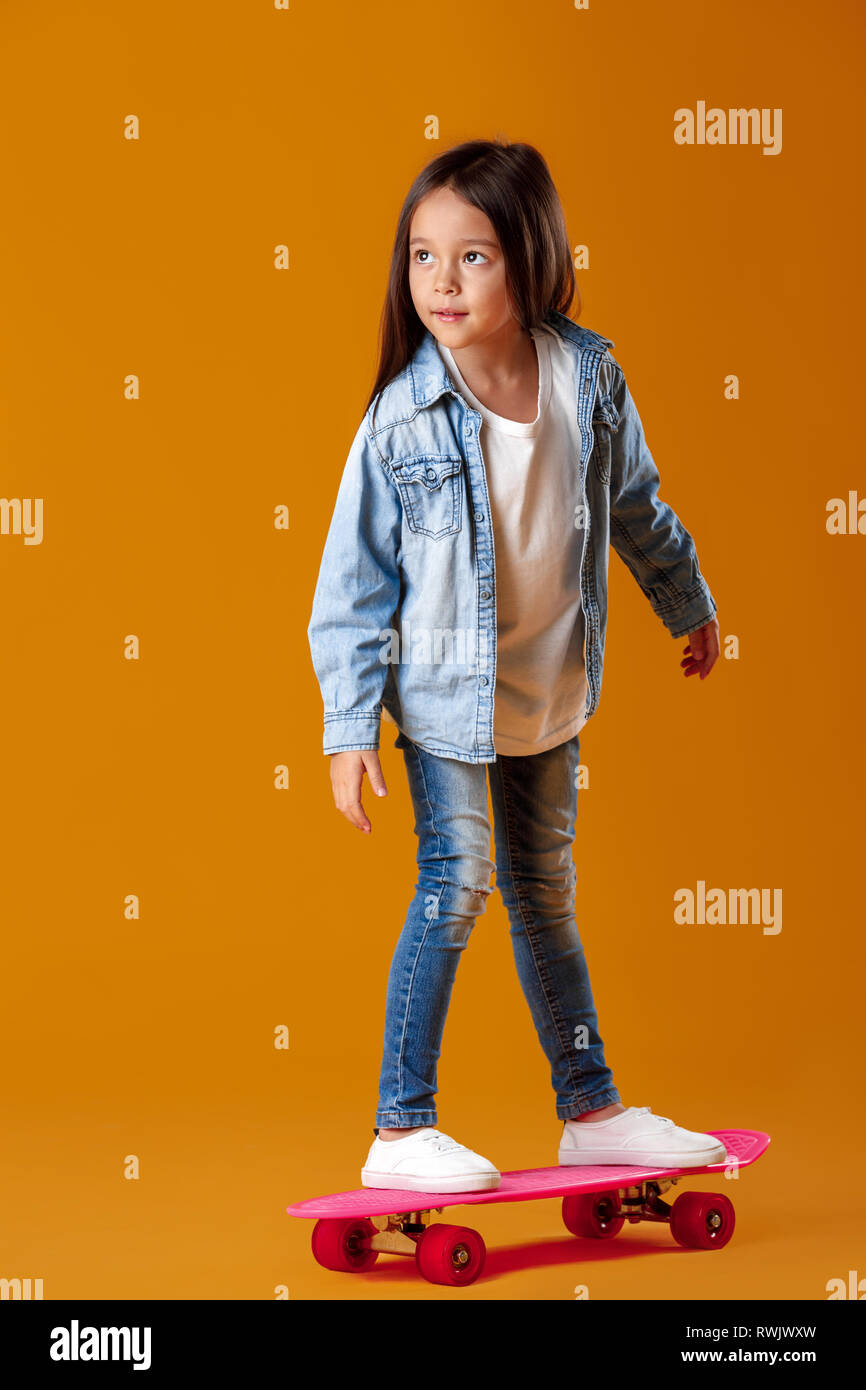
534 485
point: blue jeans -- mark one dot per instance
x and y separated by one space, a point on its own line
534 802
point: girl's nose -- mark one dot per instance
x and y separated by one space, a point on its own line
446 283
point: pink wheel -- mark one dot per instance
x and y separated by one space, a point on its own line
702 1220
593 1214
337 1244
450 1254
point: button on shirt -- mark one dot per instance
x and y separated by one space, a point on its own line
533 480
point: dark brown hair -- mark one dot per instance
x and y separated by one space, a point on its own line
513 186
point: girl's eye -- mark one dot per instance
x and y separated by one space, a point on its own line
467 253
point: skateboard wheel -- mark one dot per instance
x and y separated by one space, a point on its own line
337 1244
450 1254
702 1220
593 1214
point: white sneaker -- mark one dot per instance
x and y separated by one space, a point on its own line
636 1136
427 1161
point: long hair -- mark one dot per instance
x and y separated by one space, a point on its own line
512 184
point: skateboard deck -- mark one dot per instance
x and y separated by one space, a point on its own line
354 1228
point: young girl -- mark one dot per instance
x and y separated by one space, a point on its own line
463 594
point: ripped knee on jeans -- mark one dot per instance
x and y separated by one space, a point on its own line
479 893
458 899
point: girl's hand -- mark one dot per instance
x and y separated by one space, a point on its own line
702 650
347 774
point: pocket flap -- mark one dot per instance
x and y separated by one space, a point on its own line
429 469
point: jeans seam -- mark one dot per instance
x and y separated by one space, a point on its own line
423 938
518 892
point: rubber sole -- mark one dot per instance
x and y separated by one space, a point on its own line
640 1158
406 1182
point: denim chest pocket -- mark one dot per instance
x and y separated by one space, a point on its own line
430 489
605 418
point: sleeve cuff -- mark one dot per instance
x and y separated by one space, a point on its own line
698 608
346 731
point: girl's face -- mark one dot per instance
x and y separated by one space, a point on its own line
456 268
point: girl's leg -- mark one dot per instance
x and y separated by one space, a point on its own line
453 830
534 810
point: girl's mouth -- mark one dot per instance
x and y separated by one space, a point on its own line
448 317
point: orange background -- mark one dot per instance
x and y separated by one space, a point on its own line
261 906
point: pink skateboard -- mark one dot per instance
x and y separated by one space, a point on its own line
353 1228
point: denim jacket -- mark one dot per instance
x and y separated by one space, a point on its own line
404 611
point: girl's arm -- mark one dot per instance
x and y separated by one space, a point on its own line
646 533
356 596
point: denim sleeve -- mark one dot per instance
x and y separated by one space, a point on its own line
356 596
646 533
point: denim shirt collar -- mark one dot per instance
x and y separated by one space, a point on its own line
428 377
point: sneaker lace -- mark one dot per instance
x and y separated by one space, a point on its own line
645 1110
442 1143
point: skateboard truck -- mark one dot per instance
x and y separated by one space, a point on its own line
443 1254
399 1233
646 1196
